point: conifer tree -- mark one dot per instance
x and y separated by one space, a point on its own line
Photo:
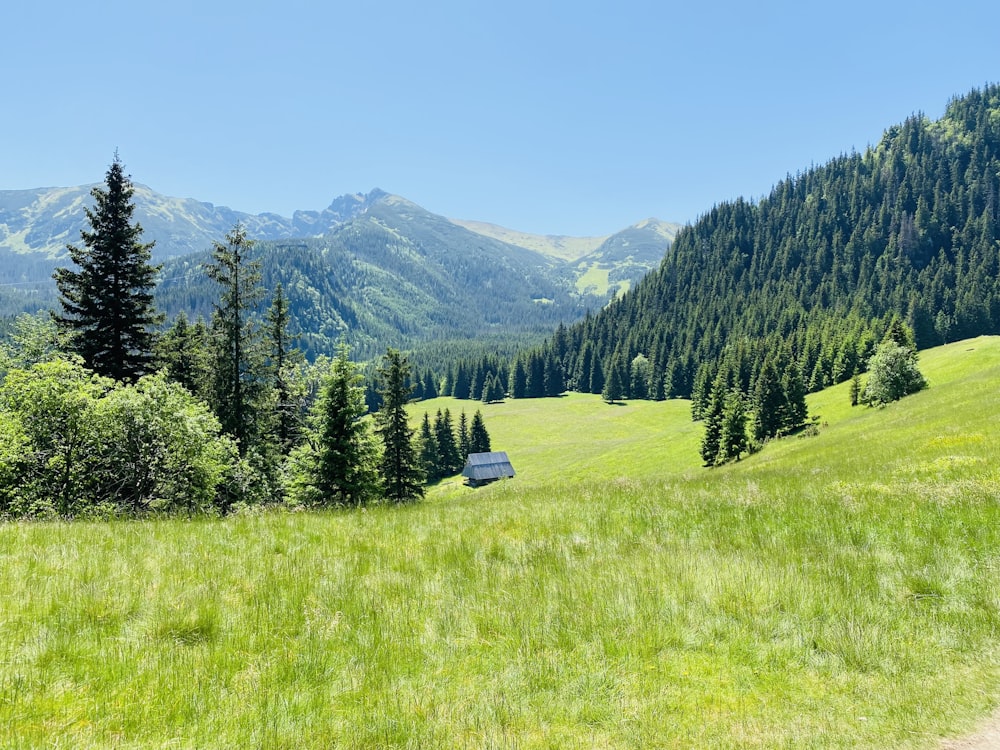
449 460
613 386
464 438
184 351
712 439
239 382
597 377
429 449
107 305
733 432
400 466
794 412
430 385
479 438
337 464
518 380
284 357
768 403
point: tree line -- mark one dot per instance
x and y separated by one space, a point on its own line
100 414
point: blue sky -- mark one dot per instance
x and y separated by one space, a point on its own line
560 118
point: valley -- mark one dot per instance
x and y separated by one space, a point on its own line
837 590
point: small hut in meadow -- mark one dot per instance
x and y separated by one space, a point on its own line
483 468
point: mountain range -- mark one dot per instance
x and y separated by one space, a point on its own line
372 267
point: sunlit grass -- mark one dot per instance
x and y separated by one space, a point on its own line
841 590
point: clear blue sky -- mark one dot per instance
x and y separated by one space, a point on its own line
551 117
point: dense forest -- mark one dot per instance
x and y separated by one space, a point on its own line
814 273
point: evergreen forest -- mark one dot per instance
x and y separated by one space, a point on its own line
805 283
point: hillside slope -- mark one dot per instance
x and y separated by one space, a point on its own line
815 271
398 275
835 591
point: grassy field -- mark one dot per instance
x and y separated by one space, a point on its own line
840 590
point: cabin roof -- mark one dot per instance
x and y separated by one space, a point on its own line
493 465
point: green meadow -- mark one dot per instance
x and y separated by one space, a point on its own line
835 590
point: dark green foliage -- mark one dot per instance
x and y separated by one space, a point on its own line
107 304
479 438
240 384
794 412
554 380
284 359
613 387
711 441
185 352
814 274
336 466
733 434
855 392
400 467
518 380
464 438
448 459
768 404
429 449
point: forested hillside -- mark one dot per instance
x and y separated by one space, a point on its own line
397 276
814 272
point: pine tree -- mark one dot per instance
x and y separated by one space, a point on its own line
794 411
518 380
184 351
597 377
107 305
449 460
712 440
429 449
487 391
479 438
400 466
239 381
733 433
284 358
464 438
613 387
337 465
430 385
768 403
554 383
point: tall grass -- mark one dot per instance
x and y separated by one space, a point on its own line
841 590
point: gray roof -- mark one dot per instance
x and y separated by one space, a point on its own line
480 466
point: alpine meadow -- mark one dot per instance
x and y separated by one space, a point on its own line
755 458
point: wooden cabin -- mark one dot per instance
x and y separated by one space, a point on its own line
483 468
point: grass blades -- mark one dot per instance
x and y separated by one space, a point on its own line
839 590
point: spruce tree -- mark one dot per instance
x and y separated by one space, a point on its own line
464 438
518 380
479 438
337 464
284 357
107 305
429 450
449 460
795 411
400 466
613 386
768 403
712 440
184 351
733 433
239 382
